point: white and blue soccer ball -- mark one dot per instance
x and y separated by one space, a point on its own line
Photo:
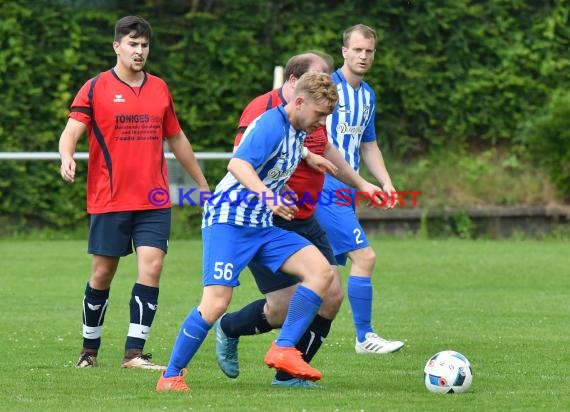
448 372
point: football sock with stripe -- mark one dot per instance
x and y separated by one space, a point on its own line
95 304
143 305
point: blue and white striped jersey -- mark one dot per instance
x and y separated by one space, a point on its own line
273 147
352 120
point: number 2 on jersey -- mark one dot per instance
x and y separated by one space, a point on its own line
357 234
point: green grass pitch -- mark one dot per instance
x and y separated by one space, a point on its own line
503 304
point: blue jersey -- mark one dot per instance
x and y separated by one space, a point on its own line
352 120
350 124
273 147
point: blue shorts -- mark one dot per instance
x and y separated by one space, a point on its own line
342 228
227 250
115 233
310 230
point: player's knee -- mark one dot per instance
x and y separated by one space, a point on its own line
326 277
154 267
316 274
149 272
275 314
276 305
214 303
212 310
332 303
366 259
335 297
101 276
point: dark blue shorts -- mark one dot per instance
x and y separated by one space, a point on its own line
115 233
310 230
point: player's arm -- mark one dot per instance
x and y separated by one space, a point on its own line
349 176
345 173
71 134
244 173
320 163
182 149
374 161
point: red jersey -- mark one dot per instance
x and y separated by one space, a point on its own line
126 130
256 108
306 182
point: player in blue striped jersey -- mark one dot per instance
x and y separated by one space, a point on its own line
274 158
237 228
351 128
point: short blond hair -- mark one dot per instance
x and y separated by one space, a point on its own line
317 87
366 31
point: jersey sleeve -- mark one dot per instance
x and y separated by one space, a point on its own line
260 140
80 109
253 110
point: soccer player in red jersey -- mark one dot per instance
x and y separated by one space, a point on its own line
265 314
128 114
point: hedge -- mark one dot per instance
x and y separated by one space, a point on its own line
447 73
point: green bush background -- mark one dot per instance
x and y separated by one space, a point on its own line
450 75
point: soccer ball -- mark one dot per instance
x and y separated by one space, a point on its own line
448 372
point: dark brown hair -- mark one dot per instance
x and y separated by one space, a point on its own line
130 24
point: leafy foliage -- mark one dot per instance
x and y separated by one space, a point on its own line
548 140
447 73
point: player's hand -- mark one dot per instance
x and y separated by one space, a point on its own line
67 169
390 192
320 164
289 194
377 197
205 194
285 209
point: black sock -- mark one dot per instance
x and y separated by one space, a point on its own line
249 320
94 307
310 342
143 305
